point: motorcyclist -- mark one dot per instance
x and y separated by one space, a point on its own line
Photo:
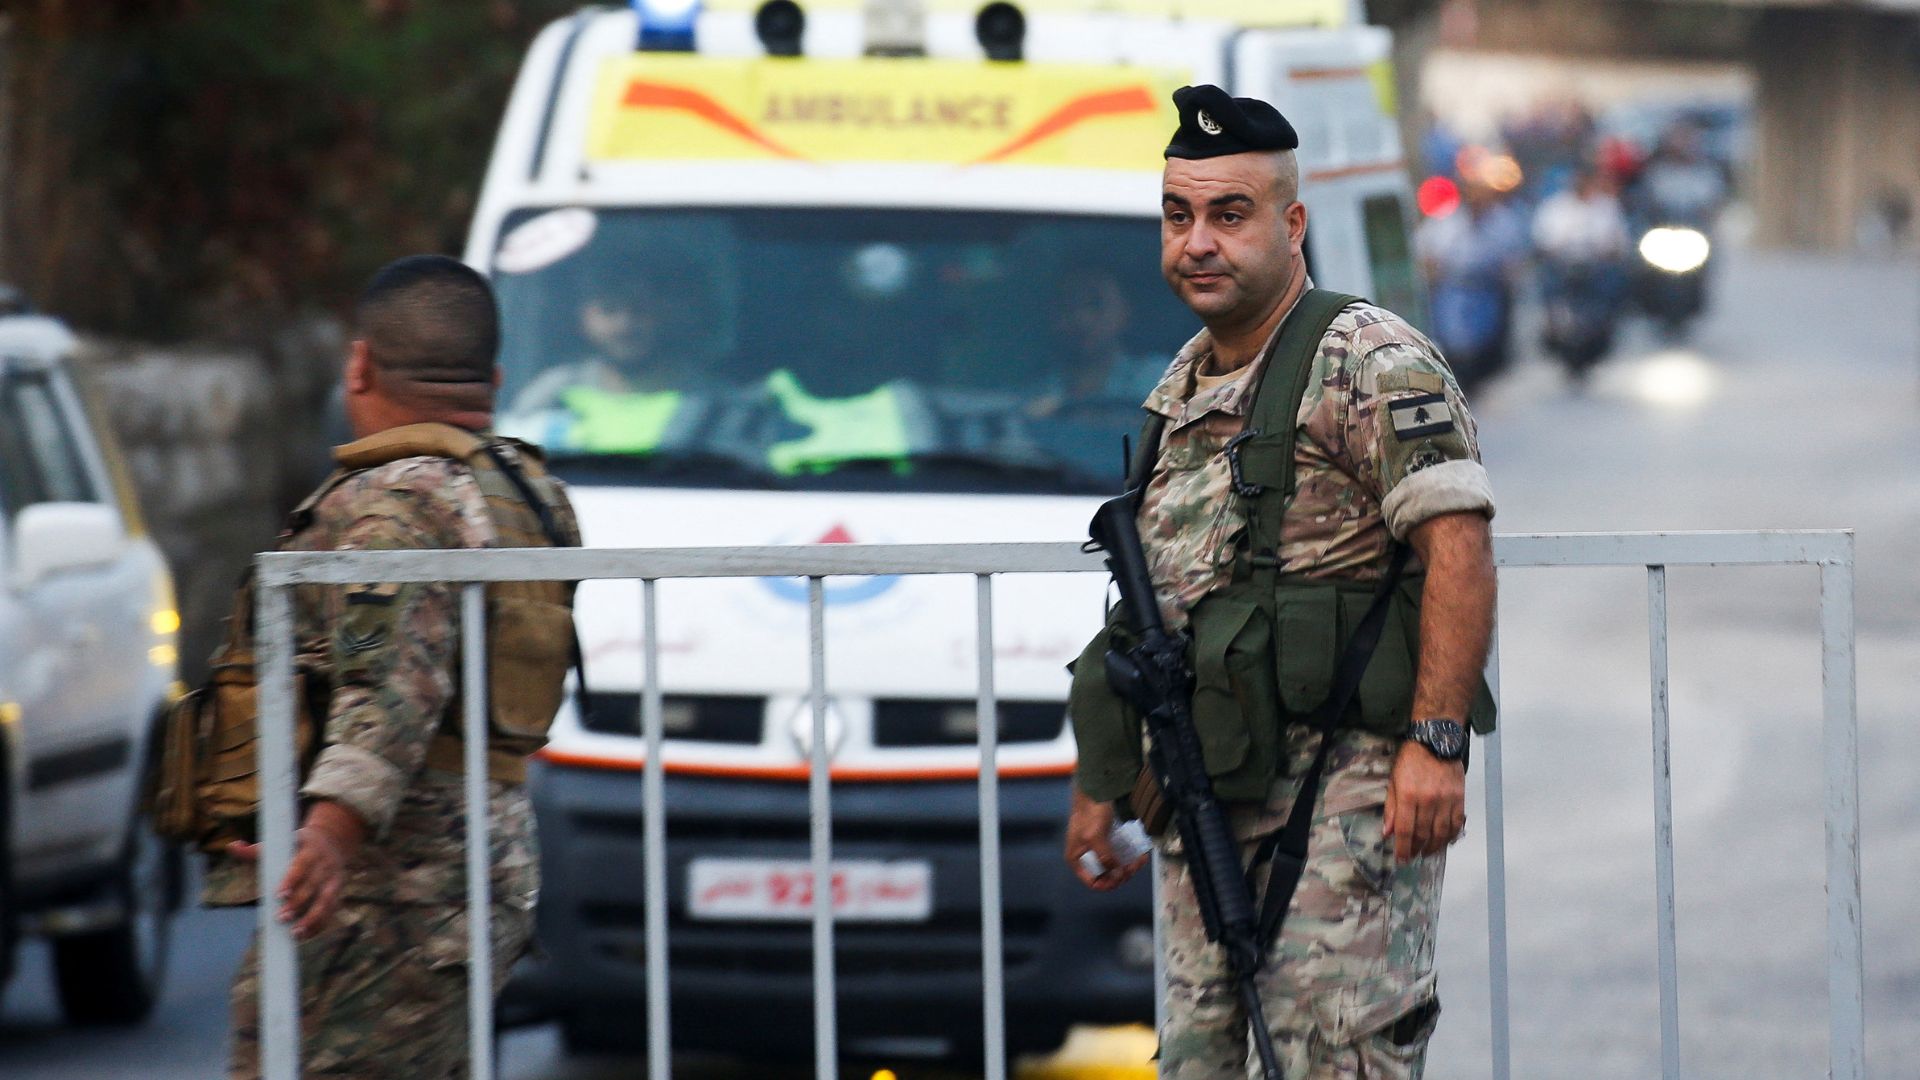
1680 183
1582 246
1674 203
1473 258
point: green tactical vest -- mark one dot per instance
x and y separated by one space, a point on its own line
1266 646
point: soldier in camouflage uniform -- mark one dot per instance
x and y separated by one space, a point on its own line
1384 451
377 892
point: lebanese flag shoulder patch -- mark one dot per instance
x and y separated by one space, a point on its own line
1420 416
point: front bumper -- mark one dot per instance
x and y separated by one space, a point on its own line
1061 953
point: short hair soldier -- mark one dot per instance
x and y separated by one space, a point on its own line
376 893
1296 446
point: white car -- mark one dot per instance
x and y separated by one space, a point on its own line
88 664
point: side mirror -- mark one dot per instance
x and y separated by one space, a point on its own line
49 538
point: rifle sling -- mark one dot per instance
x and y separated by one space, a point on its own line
558 539
1288 847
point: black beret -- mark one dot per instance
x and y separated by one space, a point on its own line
1215 124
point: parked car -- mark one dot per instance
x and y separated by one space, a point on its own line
88 665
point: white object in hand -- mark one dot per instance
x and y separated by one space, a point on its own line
1128 840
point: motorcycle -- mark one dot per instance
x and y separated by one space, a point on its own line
1672 285
1582 300
1472 315
1677 203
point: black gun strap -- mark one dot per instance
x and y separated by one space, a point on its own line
555 537
1145 456
1288 847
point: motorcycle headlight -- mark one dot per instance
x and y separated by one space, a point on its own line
1675 250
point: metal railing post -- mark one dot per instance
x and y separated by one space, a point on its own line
653 808
473 690
1846 987
1663 825
279 960
992 956
1498 999
1159 948
825 1027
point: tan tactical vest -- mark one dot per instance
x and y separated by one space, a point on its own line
208 790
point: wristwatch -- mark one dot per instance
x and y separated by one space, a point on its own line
1445 738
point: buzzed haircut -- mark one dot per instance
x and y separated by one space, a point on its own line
429 319
1287 178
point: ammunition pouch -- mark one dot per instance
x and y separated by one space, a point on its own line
208 789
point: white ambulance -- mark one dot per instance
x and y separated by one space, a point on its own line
883 271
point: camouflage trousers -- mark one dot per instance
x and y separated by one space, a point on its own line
1348 988
383 992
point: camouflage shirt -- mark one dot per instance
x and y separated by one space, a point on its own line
394 653
1384 443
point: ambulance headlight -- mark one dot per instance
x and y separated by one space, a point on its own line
780 24
667 25
1002 30
1676 250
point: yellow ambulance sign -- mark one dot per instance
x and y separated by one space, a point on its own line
678 107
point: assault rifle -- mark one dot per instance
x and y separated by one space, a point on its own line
1155 678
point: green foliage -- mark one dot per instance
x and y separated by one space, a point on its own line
208 166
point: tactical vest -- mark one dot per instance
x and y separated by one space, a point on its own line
1265 647
208 791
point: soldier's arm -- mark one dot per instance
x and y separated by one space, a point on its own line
1416 450
1427 797
392 652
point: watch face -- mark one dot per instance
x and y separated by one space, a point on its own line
1446 738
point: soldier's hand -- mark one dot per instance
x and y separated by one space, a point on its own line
1090 828
311 891
1426 802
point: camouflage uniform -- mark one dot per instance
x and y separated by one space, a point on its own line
384 985
1349 987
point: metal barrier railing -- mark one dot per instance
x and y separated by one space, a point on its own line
279 572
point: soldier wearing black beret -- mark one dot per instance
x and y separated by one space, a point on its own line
1349 478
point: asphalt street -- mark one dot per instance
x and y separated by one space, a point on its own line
1789 408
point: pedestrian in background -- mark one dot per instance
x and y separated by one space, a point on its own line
376 893
1257 541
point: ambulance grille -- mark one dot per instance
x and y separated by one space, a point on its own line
701 718
904 722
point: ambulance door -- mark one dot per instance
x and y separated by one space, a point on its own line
1335 86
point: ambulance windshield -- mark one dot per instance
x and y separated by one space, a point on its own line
832 348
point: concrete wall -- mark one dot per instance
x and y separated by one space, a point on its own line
1839 129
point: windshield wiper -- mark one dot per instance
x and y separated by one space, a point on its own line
1044 474
677 468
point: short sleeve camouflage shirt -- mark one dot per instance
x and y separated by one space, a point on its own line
1384 443
394 653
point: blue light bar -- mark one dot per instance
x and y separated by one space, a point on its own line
666 25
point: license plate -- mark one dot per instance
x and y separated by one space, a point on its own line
775 890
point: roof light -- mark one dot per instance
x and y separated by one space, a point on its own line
667 25
780 24
896 27
1002 30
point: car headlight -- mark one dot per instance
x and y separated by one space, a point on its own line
1677 250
